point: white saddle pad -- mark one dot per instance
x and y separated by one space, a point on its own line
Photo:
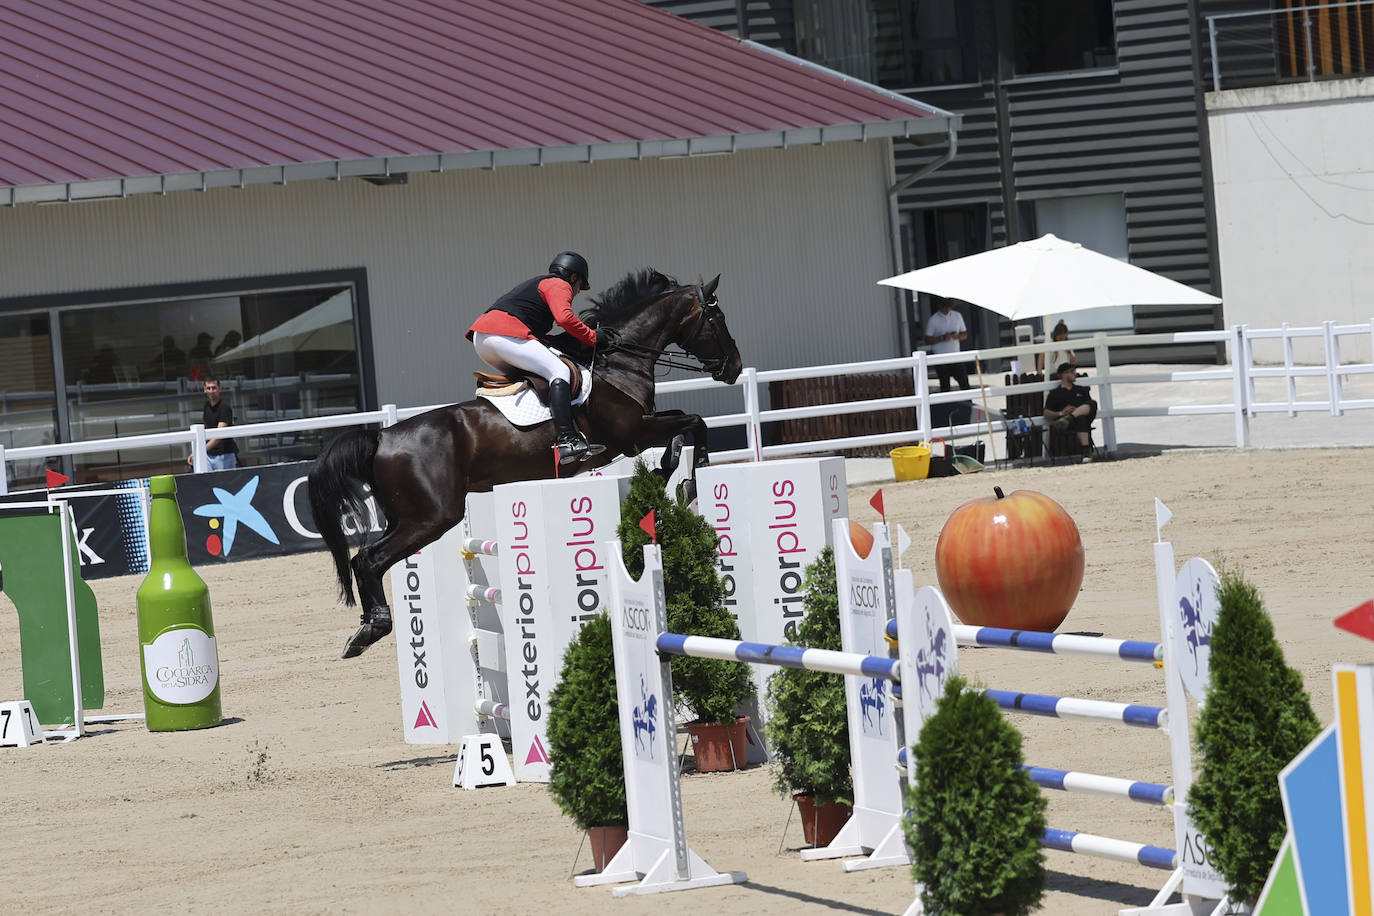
522 407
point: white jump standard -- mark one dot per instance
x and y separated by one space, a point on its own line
656 855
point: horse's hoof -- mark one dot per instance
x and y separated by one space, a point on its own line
372 629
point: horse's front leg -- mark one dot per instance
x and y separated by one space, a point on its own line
665 425
671 428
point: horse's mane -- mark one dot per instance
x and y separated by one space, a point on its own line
627 297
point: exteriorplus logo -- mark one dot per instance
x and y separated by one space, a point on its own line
426 718
525 575
233 509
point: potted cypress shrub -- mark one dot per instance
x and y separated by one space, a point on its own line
710 688
587 776
976 817
1257 718
808 725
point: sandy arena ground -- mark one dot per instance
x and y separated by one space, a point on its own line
306 799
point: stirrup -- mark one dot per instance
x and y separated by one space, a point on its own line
575 448
376 623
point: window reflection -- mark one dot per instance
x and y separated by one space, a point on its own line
28 401
131 369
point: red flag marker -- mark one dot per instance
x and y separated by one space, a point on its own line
647 523
1359 621
55 479
877 503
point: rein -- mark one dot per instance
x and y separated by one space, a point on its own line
676 360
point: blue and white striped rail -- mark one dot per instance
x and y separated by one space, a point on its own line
1123 850
1131 650
759 653
1038 704
1149 793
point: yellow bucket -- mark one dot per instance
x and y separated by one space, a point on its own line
911 462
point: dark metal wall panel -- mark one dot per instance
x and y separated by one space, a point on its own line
1134 131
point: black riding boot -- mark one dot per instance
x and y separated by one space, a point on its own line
376 624
571 445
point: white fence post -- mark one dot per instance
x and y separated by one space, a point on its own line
199 462
390 411
754 430
1332 348
1103 359
921 378
1241 382
4 473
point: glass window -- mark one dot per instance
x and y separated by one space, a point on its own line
1057 35
896 44
28 399
140 367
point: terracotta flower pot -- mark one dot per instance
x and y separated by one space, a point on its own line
606 842
820 823
719 746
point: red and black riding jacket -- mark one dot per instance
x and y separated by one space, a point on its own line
536 305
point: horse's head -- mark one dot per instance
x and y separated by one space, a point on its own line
650 311
707 337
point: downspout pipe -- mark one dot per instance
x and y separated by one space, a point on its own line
904 331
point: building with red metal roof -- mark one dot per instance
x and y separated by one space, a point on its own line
353 159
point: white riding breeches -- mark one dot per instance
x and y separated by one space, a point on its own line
506 353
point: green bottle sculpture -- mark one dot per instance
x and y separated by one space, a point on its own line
180 659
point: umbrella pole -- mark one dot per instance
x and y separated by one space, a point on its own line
992 442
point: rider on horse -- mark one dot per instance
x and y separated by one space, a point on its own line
506 336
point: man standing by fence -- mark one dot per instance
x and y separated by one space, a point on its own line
944 330
222 454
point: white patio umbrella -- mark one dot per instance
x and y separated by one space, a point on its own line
327 326
1041 277
1046 276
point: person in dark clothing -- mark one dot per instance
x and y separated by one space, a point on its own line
223 454
506 336
1071 407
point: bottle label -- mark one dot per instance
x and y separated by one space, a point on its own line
182 665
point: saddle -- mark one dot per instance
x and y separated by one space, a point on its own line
494 384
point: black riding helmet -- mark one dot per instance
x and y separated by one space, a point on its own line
567 263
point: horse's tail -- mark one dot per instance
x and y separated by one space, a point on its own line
336 494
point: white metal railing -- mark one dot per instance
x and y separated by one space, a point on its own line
1257 42
1240 369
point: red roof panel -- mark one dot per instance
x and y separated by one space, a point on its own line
115 89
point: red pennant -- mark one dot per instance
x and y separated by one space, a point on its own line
55 479
647 523
877 503
1359 621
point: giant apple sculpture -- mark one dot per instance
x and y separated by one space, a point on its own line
1010 561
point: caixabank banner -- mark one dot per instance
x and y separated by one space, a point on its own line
229 515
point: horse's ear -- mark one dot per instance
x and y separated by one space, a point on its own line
710 288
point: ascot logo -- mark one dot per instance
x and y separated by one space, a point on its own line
235 509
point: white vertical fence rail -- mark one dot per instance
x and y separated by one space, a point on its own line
1242 371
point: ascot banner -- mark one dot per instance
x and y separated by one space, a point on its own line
229 515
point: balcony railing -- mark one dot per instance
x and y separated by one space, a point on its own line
1293 42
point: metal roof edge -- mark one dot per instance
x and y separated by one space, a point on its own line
336 169
845 77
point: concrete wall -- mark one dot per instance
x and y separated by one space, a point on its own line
1293 168
800 236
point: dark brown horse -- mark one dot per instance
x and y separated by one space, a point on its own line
421 470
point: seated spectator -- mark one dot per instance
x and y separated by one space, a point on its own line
1071 407
1059 354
